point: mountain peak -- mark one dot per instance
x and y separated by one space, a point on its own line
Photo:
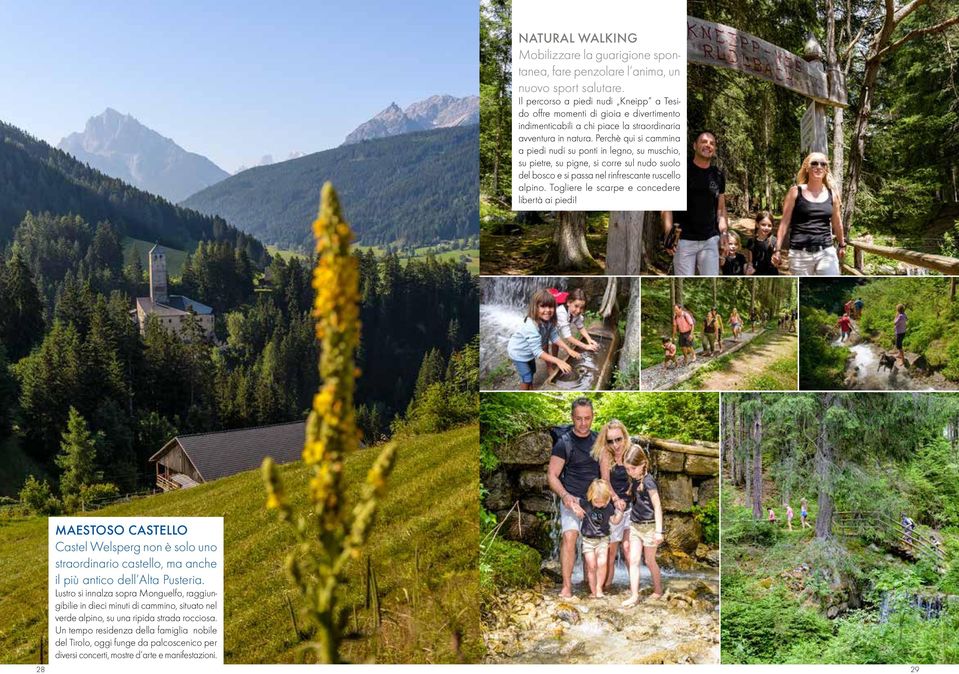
120 146
431 113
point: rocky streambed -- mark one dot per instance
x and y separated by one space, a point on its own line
539 626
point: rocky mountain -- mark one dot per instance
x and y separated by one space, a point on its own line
417 188
120 146
434 112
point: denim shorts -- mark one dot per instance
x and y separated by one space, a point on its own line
526 370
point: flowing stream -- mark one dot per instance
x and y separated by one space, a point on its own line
539 626
863 372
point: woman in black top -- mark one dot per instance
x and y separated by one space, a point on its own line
609 450
811 217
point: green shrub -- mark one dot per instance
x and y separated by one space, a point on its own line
39 498
507 564
749 531
708 517
762 625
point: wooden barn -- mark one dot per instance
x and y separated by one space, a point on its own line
189 460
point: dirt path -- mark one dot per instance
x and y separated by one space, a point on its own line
656 378
754 362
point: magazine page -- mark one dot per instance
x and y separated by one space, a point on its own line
520 333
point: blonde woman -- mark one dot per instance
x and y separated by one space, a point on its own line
811 218
646 523
609 451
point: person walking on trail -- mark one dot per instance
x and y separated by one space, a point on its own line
571 471
845 327
710 332
858 305
683 324
772 516
736 322
789 516
849 308
900 326
804 514
703 225
811 218
907 528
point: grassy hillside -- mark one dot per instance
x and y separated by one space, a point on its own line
174 258
417 188
430 513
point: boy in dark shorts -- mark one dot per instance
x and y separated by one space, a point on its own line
599 513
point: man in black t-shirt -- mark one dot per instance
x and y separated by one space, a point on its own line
703 224
572 469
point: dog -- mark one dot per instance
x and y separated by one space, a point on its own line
888 361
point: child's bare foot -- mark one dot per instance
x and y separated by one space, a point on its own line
566 593
632 601
654 597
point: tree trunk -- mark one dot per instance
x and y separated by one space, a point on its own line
823 463
679 290
569 242
624 243
629 355
714 291
757 460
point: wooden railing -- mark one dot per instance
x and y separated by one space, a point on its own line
940 263
891 531
165 483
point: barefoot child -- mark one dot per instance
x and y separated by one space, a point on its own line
599 513
772 516
569 314
789 516
670 350
536 333
804 514
646 523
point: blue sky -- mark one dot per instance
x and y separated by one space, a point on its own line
231 80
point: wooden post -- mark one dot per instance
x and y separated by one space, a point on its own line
857 257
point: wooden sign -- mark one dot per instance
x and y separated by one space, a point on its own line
713 44
812 129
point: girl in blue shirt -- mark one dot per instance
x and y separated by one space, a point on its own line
536 333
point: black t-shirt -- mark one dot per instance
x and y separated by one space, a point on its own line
734 265
595 523
643 510
700 220
581 468
763 255
619 479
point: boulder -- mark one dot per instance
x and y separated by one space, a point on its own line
683 532
524 527
532 480
529 449
671 462
676 492
701 465
708 491
538 503
499 494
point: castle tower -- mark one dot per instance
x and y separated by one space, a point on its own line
158 287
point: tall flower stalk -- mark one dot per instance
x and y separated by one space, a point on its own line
330 533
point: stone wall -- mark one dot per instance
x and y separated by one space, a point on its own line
687 475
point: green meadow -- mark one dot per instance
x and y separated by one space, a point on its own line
423 550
